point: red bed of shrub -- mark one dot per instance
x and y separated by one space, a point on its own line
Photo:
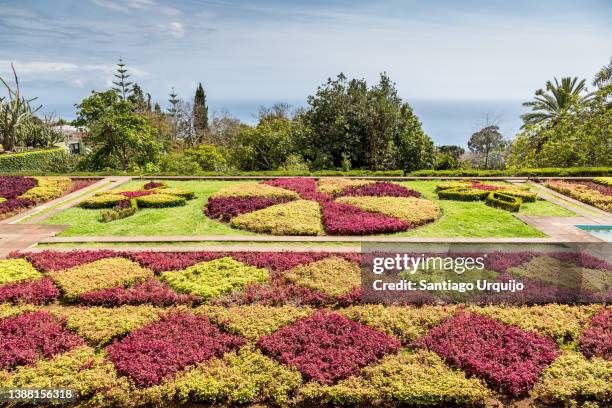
13 186
36 292
380 189
226 208
343 219
596 340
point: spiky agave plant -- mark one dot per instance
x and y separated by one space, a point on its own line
15 110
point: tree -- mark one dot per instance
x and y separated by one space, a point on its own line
351 125
138 100
15 112
200 110
208 157
119 137
486 141
603 76
122 84
452 150
557 100
157 108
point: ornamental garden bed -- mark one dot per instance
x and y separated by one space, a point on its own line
597 193
18 193
230 201
145 328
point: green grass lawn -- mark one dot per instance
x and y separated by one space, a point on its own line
459 219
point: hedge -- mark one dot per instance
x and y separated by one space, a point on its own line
504 201
38 160
102 201
159 201
463 194
542 172
604 181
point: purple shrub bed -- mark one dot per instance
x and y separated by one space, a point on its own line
343 219
134 194
154 184
47 261
380 189
169 261
157 351
596 340
506 357
13 205
12 187
151 291
304 186
281 261
225 208
30 336
327 347
605 190
38 292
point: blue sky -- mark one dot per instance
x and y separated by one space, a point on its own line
251 52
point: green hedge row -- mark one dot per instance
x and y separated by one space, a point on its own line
504 201
49 160
462 194
543 172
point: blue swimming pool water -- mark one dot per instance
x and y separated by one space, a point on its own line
600 231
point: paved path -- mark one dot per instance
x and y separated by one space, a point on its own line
18 237
595 215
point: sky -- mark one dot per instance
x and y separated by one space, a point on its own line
454 61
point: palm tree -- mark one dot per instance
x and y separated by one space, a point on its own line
558 99
603 76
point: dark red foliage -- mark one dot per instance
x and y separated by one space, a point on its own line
596 340
78 184
159 350
30 336
225 208
14 204
14 186
170 261
281 261
343 219
501 261
153 184
301 185
605 190
327 347
504 356
37 292
134 194
47 261
380 189
152 291
486 187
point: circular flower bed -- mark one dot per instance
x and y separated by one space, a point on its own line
338 206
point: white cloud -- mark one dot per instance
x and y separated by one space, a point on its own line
174 29
78 83
60 67
125 6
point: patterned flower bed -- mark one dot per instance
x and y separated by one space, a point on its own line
506 197
595 194
159 329
18 193
122 204
337 206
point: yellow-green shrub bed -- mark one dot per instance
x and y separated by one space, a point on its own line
17 270
416 211
300 217
255 190
332 276
334 185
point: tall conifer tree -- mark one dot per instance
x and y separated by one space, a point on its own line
200 109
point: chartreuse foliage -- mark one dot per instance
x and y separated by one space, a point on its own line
409 378
604 181
253 321
332 276
17 270
416 211
105 273
300 217
102 201
47 188
255 190
214 278
334 185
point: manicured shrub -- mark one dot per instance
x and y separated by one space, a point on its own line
327 347
152 292
344 219
276 294
225 208
154 184
304 186
406 323
582 193
380 189
525 195
463 194
255 190
415 211
10 310
82 370
102 274
47 188
214 278
102 201
99 325
300 217
605 190
159 350
563 323
17 270
406 379
504 201
281 261
332 276
30 336
159 201
544 172
13 206
13 186
47 261
123 209
171 261
604 181
36 160
134 194
334 185
596 340
504 356
453 184
242 377
253 321
186 194
37 292
574 381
